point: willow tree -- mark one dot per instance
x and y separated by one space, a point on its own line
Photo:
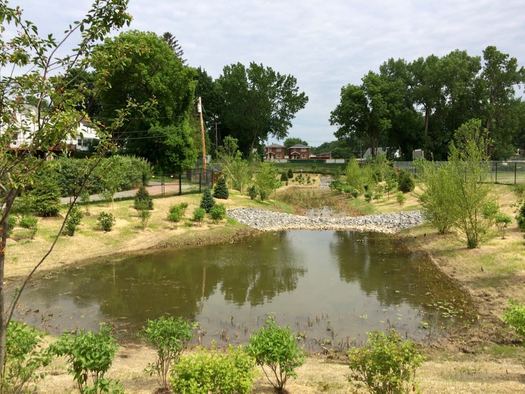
40 101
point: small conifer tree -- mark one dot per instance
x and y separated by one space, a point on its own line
221 189
143 200
207 201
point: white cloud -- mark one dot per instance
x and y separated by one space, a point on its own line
325 44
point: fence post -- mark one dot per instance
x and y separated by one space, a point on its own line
162 185
496 175
515 172
180 183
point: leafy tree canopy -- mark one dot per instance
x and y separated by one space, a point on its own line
257 102
141 66
294 141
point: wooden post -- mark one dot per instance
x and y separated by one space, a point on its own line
203 138
180 183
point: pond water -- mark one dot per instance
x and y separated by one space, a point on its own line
330 286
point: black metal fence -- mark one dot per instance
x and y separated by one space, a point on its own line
503 172
188 181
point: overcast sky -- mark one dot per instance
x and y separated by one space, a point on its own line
325 44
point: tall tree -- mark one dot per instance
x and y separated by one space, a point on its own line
207 89
500 76
362 114
291 141
257 102
174 45
142 67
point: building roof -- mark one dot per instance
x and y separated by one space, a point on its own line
274 146
299 146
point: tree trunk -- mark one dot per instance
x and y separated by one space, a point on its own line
3 316
427 121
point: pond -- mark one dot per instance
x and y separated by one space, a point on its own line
332 287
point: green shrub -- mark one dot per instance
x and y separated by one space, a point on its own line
46 197
354 193
207 201
218 212
290 174
24 359
355 175
438 195
368 196
198 214
105 221
205 372
400 197
519 190
386 364
276 348
29 222
177 212
169 337
144 216
143 200
405 182
266 180
72 222
116 172
520 217
89 356
11 224
284 177
252 192
502 221
23 204
221 189
514 316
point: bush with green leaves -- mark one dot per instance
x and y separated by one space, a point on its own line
221 189
284 176
368 196
252 192
177 212
514 316
502 221
142 199
405 182
267 180
89 356
199 214
46 197
401 198
12 221
29 222
145 216
117 172
218 212
290 173
73 220
438 195
25 358
214 371
207 201
386 364
169 337
105 221
520 217
355 176
277 349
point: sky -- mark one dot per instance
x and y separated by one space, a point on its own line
324 44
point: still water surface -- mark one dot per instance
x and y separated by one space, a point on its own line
331 287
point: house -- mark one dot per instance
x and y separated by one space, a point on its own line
81 139
275 152
299 152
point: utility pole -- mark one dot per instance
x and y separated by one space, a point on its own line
199 110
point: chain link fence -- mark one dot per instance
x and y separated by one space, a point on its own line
503 172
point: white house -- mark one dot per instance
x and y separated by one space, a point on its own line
81 139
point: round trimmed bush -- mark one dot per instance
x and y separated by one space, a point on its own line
105 221
218 212
405 182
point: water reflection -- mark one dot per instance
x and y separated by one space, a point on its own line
331 286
